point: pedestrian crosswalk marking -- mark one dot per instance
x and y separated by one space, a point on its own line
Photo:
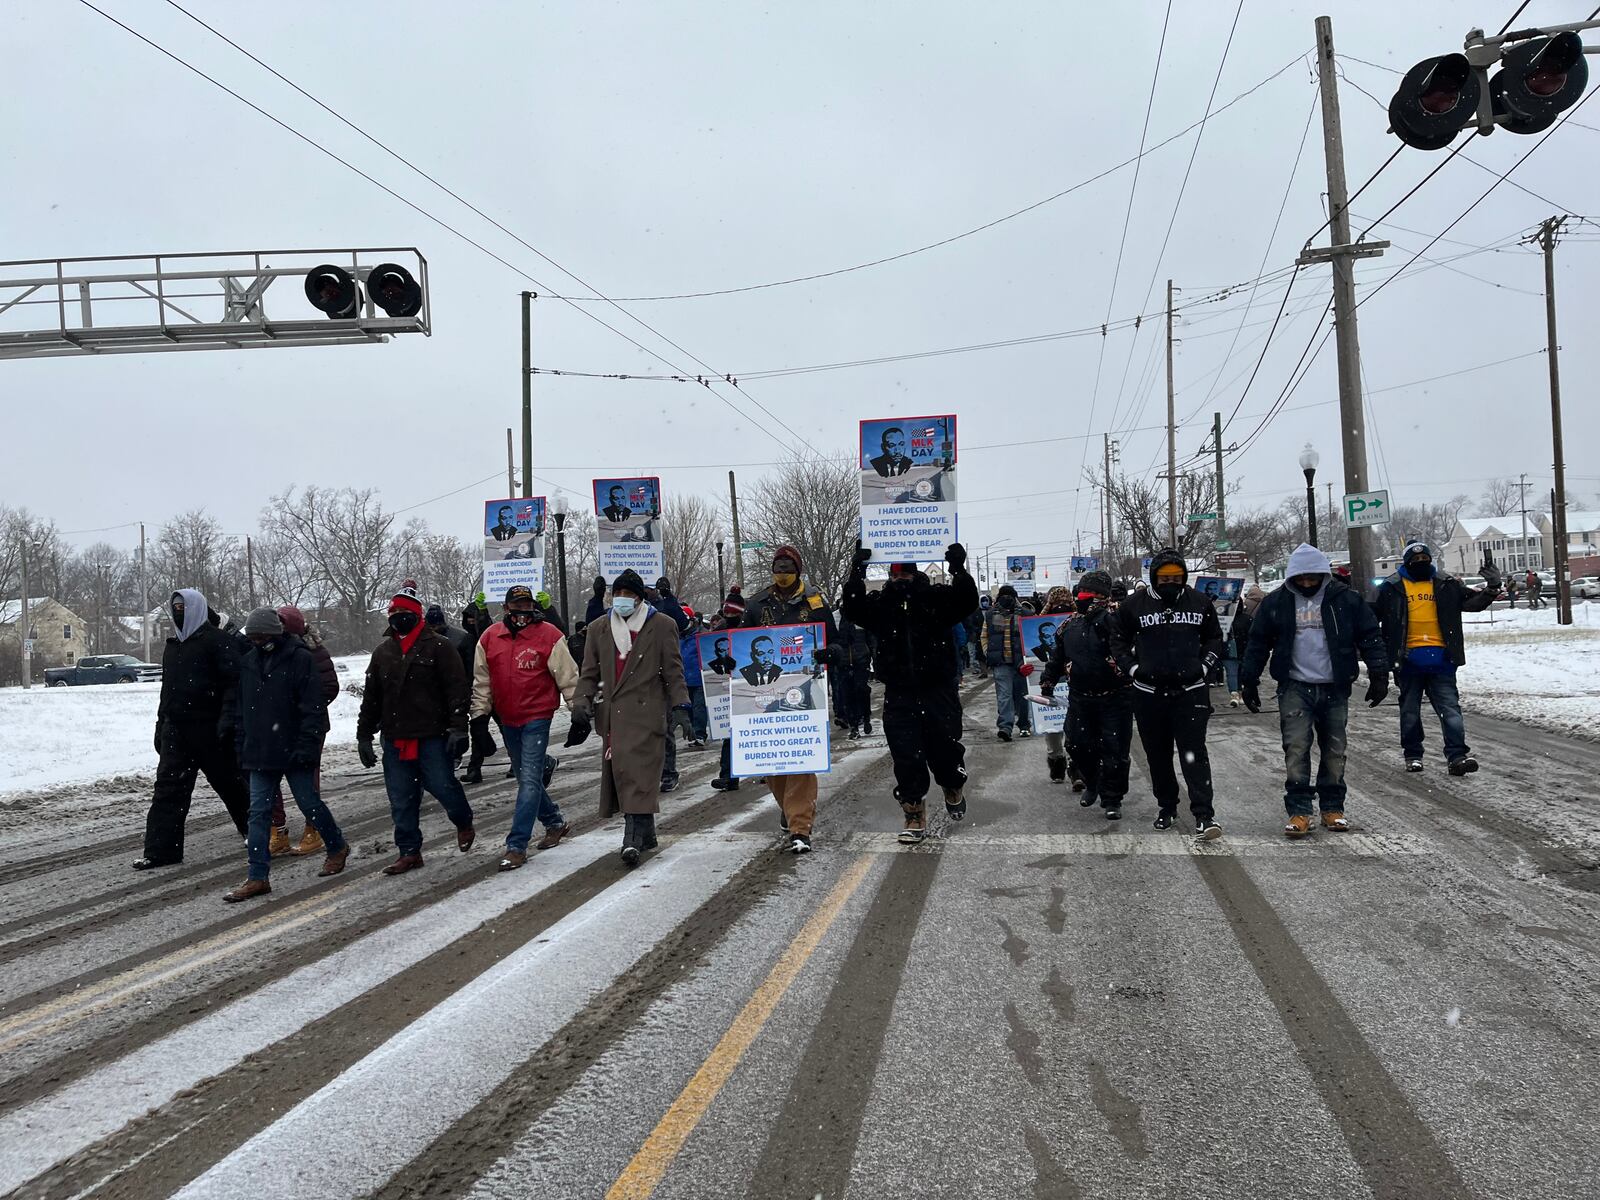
1171 844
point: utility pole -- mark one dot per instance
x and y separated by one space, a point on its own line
1172 438
1222 492
144 597
738 545
1558 503
24 626
1342 255
1105 508
511 469
250 567
527 394
1522 488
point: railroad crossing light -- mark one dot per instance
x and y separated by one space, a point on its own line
334 291
1538 80
394 290
1435 101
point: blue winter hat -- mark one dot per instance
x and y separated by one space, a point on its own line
1413 549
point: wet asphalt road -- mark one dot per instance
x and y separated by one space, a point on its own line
1034 1003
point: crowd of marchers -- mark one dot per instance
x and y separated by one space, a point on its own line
247 705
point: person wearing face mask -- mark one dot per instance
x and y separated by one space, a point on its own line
789 600
281 727
913 621
521 672
1099 713
416 696
1316 631
1001 639
1420 610
1166 640
194 735
632 656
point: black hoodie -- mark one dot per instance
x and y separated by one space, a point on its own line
915 628
1165 646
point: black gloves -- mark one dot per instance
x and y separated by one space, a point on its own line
579 731
365 752
583 710
456 742
1377 689
1047 690
956 555
1208 662
1250 693
826 655
158 737
858 564
599 586
678 722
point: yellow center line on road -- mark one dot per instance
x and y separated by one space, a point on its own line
645 1172
45 1018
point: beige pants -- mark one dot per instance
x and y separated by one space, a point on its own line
797 796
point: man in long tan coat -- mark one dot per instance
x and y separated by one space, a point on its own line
632 655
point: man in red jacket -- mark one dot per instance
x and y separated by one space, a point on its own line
521 672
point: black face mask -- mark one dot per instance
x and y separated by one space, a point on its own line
520 619
1168 591
403 622
177 615
1087 606
1308 591
1006 602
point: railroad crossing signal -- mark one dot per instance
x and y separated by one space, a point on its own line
1366 508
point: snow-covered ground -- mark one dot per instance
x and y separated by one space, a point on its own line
1524 666
50 737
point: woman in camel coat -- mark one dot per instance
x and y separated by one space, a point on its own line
632 657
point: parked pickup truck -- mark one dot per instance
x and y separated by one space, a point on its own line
103 668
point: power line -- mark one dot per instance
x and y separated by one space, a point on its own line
430 216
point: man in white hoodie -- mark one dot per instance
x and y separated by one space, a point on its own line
1316 631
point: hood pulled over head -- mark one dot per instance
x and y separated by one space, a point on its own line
196 612
1308 560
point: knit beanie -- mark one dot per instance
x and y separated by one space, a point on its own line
263 621
294 621
629 582
406 597
733 606
435 616
1098 582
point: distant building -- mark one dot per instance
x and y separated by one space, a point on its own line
59 637
1500 537
1583 542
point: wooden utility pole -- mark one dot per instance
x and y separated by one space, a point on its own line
1558 504
144 597
24 626
1222 492
511 469
1342 255
1108 537
738 545
1172 438
250 567
527 394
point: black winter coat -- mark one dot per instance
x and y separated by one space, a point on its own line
855 647
422 694
1450 599
282 716
915 630
199 678
1166 647
1084 644
1351 627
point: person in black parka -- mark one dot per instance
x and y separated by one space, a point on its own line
1099 711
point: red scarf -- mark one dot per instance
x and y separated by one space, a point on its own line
405 749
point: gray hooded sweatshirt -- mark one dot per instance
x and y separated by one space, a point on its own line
1311 662
196 612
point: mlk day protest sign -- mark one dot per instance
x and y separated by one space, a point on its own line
1039 640
513 545
716 667
628 527
1225 593
908 487
778 701
1020 572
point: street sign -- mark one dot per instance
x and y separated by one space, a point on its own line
1224 544
27 646
752 545
1366 508
1230 560
1202 518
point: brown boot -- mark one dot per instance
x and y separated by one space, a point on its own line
406 862
916 828
334 863
464 838
512 859
310 842
249 890
552 837
278 846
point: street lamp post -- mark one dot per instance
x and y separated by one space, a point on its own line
1309 458
561 554
722 582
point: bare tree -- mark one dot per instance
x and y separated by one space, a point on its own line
814 505
582 561
691 527
1500 498
1265 534
192 550
1141 509
447 570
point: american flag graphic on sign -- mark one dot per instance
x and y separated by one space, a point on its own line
926 431
792 643
639 495
525 513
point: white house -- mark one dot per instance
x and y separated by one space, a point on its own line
1501 537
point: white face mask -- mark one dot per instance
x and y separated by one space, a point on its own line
623 606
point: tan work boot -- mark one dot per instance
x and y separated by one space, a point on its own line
279 843
916 828
1335 821
310 842
1299 825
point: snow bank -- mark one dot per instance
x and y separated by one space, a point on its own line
1525 666
55 736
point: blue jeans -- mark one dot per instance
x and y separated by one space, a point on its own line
526 746
405 781
1230 668
1307 711
264 793
699 718
1011 698
1446 701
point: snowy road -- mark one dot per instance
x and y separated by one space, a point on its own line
1036 1003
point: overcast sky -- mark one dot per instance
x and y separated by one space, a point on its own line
676 147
